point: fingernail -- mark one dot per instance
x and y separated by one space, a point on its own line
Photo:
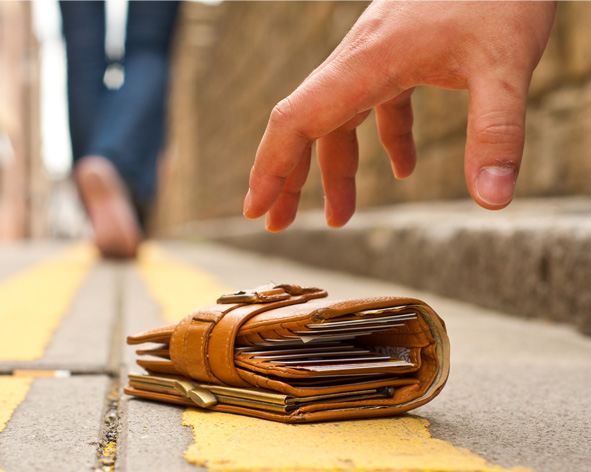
495 185
246 206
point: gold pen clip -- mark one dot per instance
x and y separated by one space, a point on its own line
181 388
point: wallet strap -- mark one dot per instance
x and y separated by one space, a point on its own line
202 344
270 293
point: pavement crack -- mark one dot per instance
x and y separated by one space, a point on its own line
107 447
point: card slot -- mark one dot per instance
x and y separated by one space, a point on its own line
284 343
331 383
357 321
363 382
386 310
297 362
306 386
316 338
385 367
325 361
331 346
382 366
337 378
288 372
309 353
351 329
325 335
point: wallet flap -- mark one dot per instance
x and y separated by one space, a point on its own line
160 367
163 352
202 344
161 334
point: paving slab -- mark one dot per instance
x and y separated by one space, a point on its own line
57 427
153 437
81 342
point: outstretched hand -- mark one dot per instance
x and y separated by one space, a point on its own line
488 48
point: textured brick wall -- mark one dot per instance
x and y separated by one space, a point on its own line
234 61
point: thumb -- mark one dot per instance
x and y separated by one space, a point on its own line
494 142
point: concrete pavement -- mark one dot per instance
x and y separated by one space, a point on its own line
518 393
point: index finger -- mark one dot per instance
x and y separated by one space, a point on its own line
283 146
322 103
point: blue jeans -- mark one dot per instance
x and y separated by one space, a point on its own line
125 125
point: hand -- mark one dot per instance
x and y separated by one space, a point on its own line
489 48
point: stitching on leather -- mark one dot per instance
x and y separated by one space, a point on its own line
207 338
176 350
229 343
184 348
190 346
432 366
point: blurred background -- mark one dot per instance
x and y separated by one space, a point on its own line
232 62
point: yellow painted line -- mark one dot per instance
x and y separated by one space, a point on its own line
228 443
13 391
33 302
179 287
225 442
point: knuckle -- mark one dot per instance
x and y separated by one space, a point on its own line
284 116
292 193
499 129
282 112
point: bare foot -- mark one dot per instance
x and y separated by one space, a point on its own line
116 229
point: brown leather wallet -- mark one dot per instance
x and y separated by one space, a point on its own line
287 353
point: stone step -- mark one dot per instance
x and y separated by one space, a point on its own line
532 259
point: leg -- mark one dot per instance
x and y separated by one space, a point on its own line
117 233
84 31
130 128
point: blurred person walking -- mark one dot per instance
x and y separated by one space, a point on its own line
117 134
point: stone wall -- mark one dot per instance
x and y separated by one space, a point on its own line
235 60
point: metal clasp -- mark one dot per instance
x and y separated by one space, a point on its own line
239 297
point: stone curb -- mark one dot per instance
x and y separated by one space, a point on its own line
532 259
